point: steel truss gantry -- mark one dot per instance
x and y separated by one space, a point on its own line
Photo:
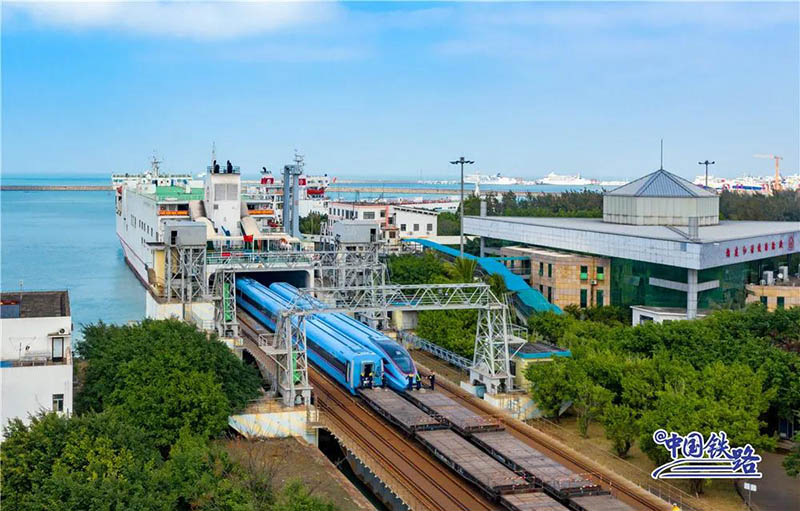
494 339
225 306
287 348
185 273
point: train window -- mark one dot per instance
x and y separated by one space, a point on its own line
398 355
347 373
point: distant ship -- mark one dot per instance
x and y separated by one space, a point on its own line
556 179
496 179
743 183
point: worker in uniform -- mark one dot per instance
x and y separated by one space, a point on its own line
410 381
432 379
419 382
675 507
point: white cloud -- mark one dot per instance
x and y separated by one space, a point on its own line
183 19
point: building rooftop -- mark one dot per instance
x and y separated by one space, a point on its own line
724 231
35 304
660 184
541 350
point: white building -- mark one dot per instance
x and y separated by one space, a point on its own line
397 221
35 357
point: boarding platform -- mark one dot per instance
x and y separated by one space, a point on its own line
461 419
473 464
399 411
548 473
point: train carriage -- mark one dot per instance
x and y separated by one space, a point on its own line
397 363
348 362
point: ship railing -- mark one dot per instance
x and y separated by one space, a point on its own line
254 257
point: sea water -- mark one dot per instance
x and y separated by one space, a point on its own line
67 240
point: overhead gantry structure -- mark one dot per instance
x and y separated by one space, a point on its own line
495 343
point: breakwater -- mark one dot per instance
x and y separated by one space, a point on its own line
56 188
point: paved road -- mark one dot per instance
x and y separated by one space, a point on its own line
776 491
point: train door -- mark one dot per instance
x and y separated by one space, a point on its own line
368 372
347 373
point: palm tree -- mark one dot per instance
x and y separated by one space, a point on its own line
461 270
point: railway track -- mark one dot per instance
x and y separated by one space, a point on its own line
434 486
640 499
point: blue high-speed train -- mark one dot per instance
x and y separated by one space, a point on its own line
348 362
397 363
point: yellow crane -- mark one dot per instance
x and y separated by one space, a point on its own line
777 184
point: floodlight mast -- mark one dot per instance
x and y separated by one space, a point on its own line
462 161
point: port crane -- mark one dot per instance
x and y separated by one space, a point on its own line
777 183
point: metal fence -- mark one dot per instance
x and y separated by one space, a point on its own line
437 351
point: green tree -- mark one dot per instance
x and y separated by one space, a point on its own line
448 224
312 224
452 330
296 497
497 285
422 268
792 462
550 385
718 398
590 401
620 423
461 270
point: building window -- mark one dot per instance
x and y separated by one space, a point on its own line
541 269
549 269
416 227
58 402
601 273
383 213
584 298
58 348
541 288
369 215
549 294
764 301
402 227
645 319
430 227
600 301
781 302
392 234
584 272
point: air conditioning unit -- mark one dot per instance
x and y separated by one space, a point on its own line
763 282
62 330
769 277
783 272
594 282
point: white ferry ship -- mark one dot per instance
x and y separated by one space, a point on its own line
496 179
561 180
231 209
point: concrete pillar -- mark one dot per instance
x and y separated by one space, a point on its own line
691 294
483 213
287 201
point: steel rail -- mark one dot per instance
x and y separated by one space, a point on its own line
554 451
432 483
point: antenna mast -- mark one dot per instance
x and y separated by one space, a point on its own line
154 163
662 155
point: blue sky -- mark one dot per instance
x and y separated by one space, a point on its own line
395 90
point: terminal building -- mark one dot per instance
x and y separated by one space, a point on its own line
661 247
36 358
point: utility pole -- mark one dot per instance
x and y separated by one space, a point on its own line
461 161
706 163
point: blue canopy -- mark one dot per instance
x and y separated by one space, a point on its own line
528 297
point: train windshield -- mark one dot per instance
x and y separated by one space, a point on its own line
399 355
